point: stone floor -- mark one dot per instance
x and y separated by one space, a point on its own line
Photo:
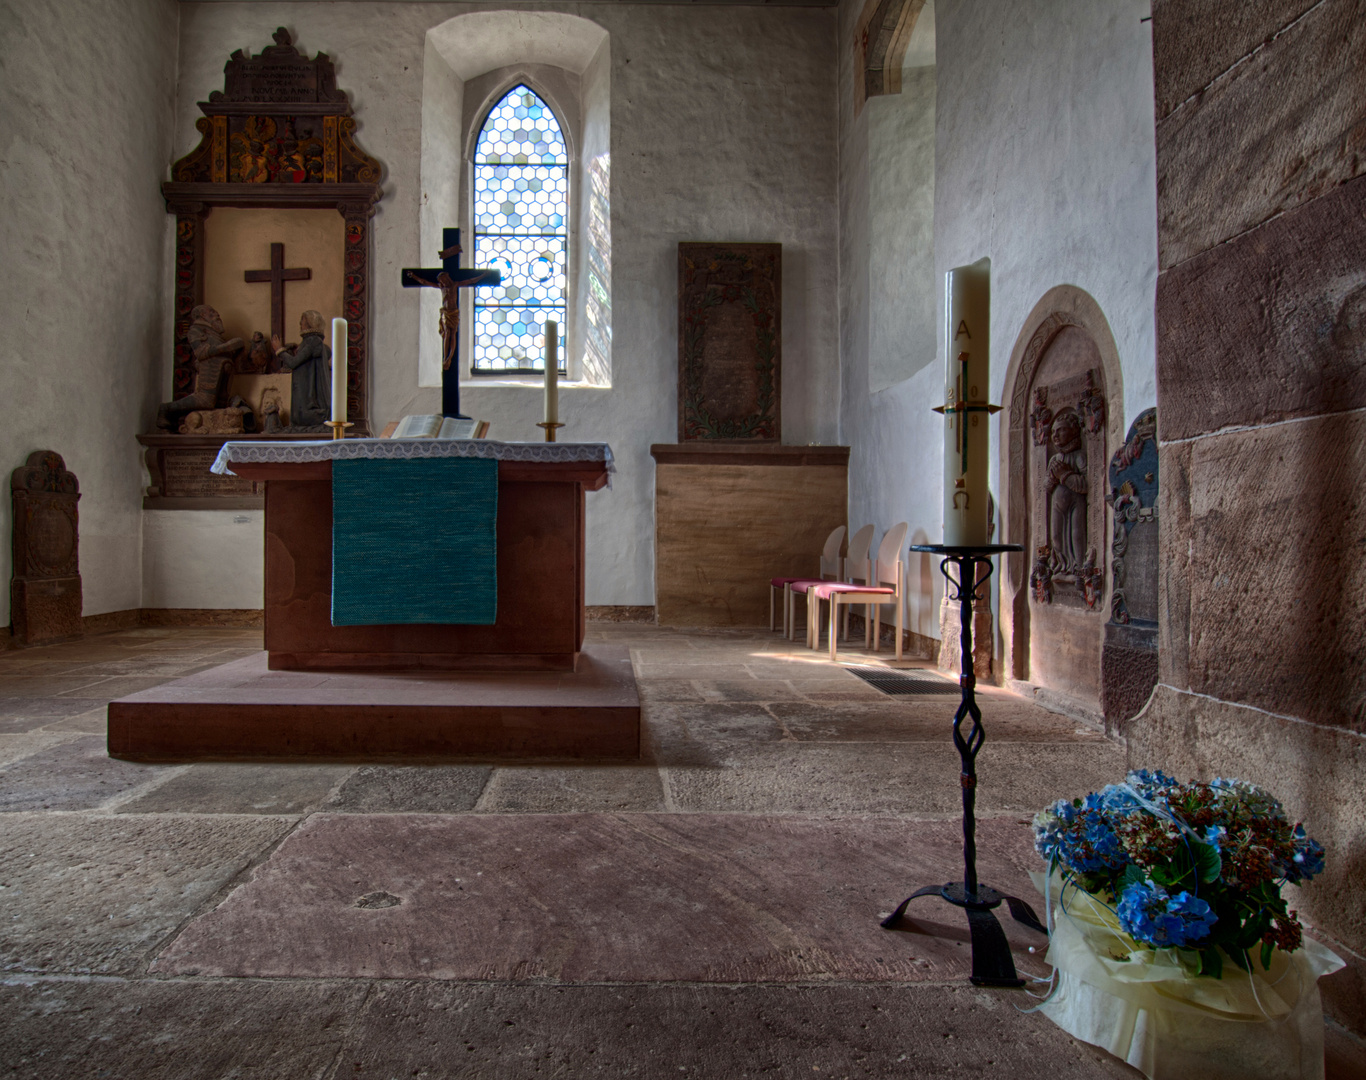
710 911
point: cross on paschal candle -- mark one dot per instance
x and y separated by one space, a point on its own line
449 278
277 275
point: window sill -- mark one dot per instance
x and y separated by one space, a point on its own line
532 382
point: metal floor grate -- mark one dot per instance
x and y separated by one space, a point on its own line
899 683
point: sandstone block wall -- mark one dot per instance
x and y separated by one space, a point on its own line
1261 328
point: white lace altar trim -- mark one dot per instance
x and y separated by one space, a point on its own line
234 453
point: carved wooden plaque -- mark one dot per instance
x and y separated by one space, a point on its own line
45 590
730 342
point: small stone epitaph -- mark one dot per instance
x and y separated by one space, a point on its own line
45 591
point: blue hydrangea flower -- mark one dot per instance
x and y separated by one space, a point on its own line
1152 785
1149 914
1106 850
1214 835
1308 858
1115 800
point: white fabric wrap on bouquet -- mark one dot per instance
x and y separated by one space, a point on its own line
1151 1008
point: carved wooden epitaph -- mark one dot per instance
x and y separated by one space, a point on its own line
280 134
45 591
730 342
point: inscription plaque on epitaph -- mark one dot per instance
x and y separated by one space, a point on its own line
45 590
730 342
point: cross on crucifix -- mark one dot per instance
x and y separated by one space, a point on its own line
277 275
448 277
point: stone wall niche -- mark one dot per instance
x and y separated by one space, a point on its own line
1063 381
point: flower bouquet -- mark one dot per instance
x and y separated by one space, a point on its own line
1172 945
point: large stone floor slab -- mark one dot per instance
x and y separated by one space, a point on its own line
878 778
73 775
241 788
419 789
207 1029
243 710
605 897
96 894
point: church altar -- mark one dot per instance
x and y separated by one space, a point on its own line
524 686
540 565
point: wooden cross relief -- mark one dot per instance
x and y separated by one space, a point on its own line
277 275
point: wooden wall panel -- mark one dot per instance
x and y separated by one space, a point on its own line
722 531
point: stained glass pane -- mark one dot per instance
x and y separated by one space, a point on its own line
521 207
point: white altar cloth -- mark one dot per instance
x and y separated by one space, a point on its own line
234 453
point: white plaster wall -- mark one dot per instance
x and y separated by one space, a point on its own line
85 137
203 559
1044 161
901 210
723 127
896 453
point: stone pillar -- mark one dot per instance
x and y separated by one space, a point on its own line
1261 325
45 591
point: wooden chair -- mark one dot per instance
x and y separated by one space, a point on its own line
888 580
856 569
831 568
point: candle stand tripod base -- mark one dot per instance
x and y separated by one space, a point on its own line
992 964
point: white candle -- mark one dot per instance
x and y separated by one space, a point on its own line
339 370
967 433
552 372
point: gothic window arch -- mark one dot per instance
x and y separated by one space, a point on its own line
520 216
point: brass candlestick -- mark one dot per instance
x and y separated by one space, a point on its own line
339 428
549 429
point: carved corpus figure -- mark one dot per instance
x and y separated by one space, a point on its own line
1066 492
213 364
311 364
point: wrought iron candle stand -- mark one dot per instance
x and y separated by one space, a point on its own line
992 964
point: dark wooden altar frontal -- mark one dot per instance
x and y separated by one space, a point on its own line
540 577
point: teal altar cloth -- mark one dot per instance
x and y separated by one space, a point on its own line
414 541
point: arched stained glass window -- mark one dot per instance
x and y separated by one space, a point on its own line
521 227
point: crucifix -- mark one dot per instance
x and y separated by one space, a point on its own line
277 275
449 278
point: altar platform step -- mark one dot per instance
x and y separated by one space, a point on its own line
243 710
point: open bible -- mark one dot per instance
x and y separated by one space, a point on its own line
420 426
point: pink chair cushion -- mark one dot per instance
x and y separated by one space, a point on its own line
825 589
800 585
779 582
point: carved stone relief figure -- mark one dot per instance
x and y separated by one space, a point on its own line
1059 451
1065 491
1066 504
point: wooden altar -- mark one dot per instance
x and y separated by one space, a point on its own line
540 577
526 686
